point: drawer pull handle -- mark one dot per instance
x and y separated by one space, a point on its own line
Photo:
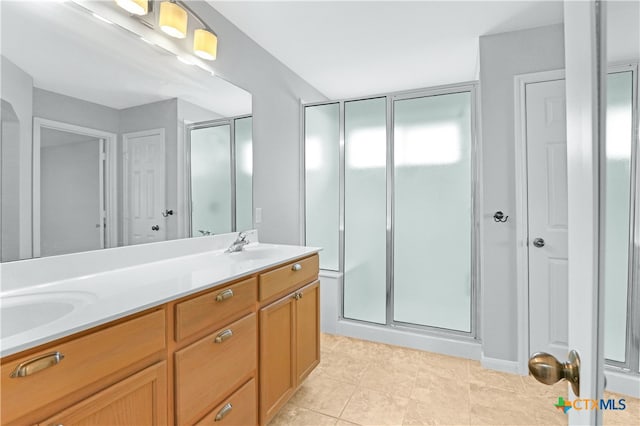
223 411
32 366
224 295
224 335
296 267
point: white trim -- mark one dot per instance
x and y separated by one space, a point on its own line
521 216
110 181
125 174
503 365
623 382
467 348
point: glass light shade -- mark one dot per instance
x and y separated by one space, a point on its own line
135 7
205 44
173 19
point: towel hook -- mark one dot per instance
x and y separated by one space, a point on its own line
500 217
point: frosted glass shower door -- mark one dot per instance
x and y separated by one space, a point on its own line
322 158
432 211
617 219
365 292
244 173
211 180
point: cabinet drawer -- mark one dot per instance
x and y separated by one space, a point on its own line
288 276
87 359
213 366
216 307
240 409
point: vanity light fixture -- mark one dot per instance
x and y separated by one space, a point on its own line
205 44
135 7
173 19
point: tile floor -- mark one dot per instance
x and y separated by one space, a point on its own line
367 383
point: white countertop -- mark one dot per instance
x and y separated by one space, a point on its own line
46 311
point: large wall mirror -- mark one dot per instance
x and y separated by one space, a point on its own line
109 138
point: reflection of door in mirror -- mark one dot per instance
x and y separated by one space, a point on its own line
9 145
144 187
221 176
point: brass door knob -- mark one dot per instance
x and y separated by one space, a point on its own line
546 369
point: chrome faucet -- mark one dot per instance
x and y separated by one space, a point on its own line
238 244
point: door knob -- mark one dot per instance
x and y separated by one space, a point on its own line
546 369
155 228
538 242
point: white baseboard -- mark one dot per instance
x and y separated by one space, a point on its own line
469 349
503 365
623 382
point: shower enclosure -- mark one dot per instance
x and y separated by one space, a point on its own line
390 197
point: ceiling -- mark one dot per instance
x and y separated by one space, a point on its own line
346 49
66 50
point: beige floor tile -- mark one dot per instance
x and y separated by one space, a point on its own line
496 379
532 387
329 341
444 366
448 413
324 395
440 391
363 349
368 407
400 356
629 416
481 415
291 415
396 380
346 423
488 396
342 367
551 416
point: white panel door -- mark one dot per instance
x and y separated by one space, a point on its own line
145 187
547 201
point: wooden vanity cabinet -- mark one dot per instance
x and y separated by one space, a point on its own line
289 336
138 400
57 376
231 355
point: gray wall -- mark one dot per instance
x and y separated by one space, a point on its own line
17 90
502 56
58 107
276 92
156 115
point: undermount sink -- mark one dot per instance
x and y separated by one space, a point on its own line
24 312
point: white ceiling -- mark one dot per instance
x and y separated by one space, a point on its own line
68 51
347 49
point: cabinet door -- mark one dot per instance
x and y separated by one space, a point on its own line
307 330
277 352
138 400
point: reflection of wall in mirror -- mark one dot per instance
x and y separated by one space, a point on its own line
17 88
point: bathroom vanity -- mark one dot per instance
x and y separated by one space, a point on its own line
216 337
